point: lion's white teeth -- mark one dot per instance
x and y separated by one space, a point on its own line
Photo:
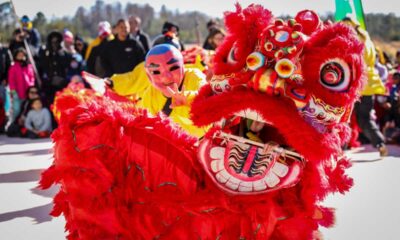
271 179
280 169
246 187
233 183
259 185
223 176
217 153
217 165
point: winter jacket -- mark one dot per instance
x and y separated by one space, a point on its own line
121 56
38 120
144 39
20 78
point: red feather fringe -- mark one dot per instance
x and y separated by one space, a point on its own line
124 174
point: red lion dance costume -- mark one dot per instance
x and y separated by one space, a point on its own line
279 102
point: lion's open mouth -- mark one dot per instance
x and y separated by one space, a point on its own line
248 156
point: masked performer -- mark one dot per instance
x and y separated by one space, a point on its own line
127 175
168 86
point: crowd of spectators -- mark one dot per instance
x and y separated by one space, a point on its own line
31 72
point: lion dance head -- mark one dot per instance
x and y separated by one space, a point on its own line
279 101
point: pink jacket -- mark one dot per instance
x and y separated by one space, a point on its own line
20 78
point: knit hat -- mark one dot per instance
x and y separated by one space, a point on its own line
104 28
25 19
68 36
167 27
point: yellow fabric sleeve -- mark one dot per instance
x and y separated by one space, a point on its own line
131 83
93 44
153 100
374 84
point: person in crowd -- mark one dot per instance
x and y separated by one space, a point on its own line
54 64
168 38
382 104
80 46
169 34
215 38
76 67
392 126
68 42
17 127
104 34
374 86
20 77
387 61
172 86
31 93
137 33
397 61
38 120
211 25
93 54
32 34
380 65
5 63
123 53
17 40
27 32
114 29
3 116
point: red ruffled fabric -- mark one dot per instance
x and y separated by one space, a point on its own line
127 175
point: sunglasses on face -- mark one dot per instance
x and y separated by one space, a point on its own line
33 92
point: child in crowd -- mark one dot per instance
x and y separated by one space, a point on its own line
392 125
38 120
75 68
215 38
16 128
20 77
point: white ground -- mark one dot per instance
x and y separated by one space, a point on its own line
370 211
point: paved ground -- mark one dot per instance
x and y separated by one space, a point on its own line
370 211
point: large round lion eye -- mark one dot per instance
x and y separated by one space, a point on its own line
231 56
335 75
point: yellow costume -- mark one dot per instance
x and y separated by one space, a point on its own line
131 84
95 43
150 98
374 84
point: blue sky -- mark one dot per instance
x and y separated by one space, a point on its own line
214 8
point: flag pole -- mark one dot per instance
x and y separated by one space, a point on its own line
363 15
28 49
198 34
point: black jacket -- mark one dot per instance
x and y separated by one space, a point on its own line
54 63
5 62
34 38
144 39
121 56
93 64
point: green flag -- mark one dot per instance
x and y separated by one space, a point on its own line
354 8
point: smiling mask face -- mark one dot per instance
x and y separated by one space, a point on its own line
164 67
